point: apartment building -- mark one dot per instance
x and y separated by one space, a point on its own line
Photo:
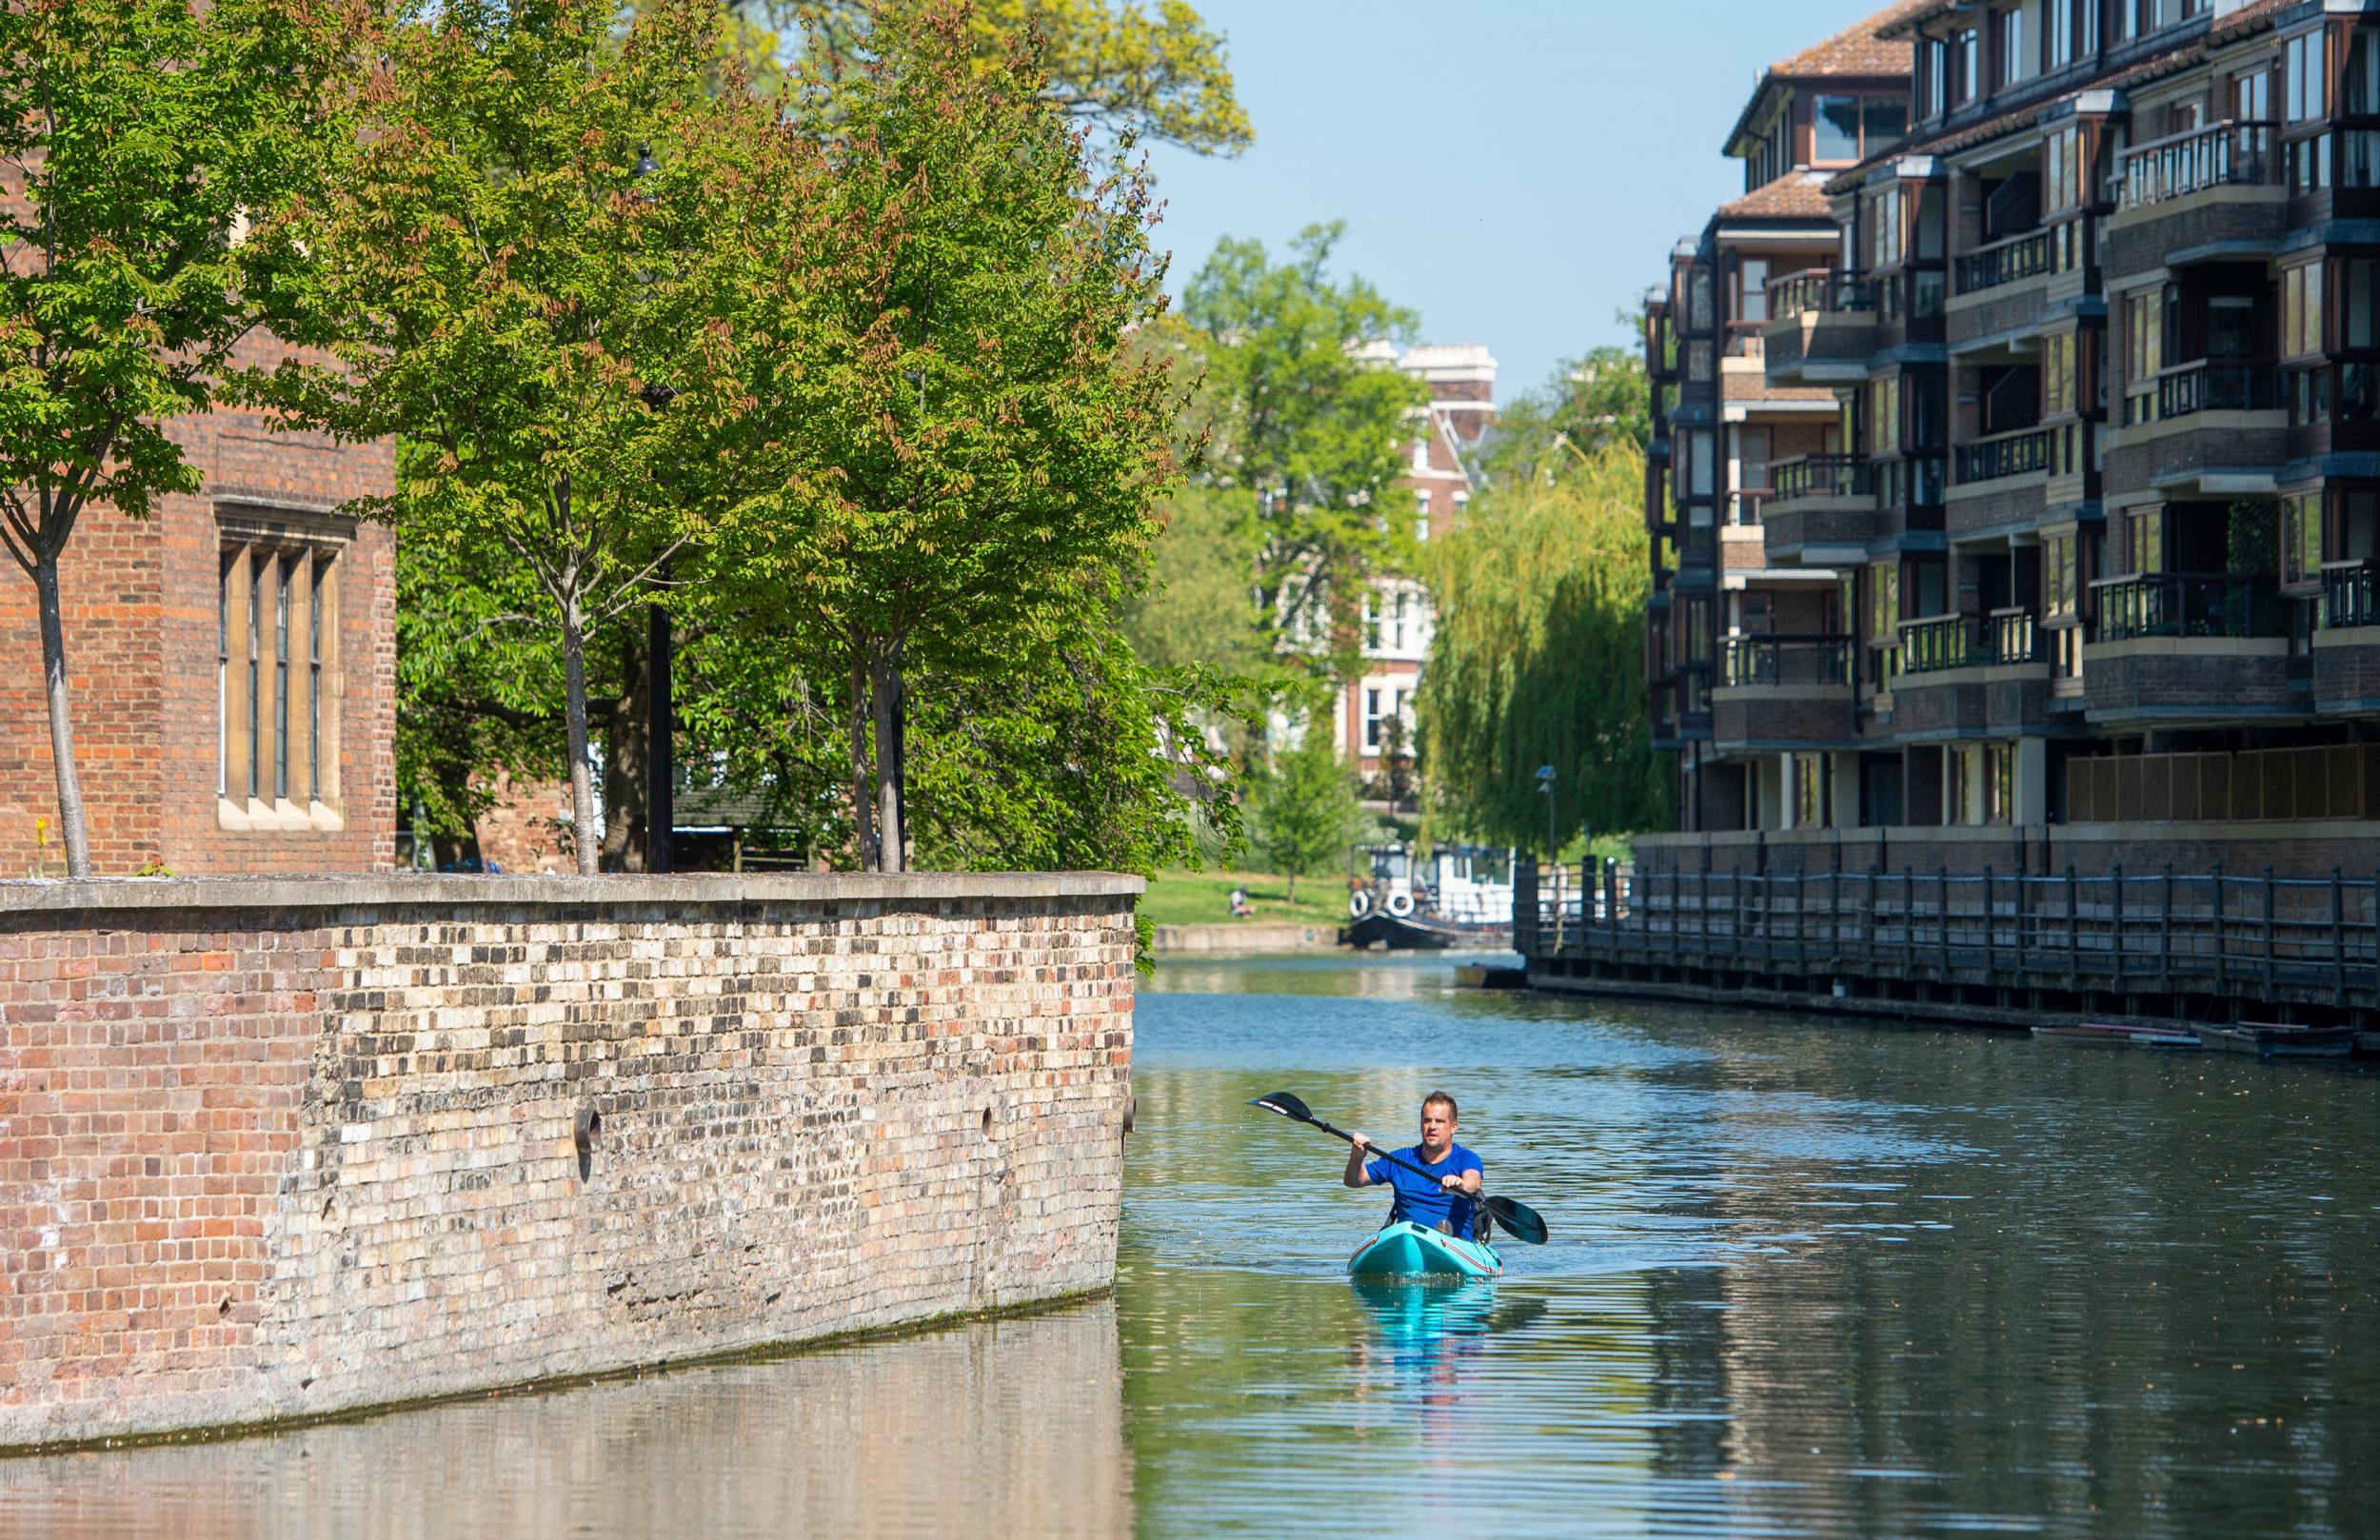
1375 716
2081 547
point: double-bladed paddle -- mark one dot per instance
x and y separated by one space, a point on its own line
1518 1220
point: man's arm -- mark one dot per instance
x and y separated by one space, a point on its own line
1466 1181
1358 1148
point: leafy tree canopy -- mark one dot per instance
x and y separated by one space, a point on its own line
1311 423
1161 73
1537 658
1306 813
1592 402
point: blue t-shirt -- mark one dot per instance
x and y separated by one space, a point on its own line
1423 1200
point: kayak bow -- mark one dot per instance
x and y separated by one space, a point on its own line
1405 1249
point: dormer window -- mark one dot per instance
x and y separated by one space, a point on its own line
1844 130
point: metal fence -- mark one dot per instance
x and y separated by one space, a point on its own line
2120 931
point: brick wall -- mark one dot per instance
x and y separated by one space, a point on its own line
275 1149
2139 242
142 646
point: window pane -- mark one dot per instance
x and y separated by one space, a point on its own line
1835 126
1886 121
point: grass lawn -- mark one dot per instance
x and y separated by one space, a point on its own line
1205 898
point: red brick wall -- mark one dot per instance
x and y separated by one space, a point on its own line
142 650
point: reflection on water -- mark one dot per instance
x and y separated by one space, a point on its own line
1003 1428
1806 1278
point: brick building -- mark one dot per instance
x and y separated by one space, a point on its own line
2079 536
1376 709
219 725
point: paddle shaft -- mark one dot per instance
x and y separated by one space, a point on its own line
1404 1165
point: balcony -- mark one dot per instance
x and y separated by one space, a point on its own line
1820 329
1749 662
2188 389
2173 648
2347 648
2187 604
1822 508
2004 261
2216 188
1938 644
2024 452
1782 691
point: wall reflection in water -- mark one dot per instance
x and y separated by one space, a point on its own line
998 1429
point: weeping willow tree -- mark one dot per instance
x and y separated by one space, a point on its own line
1538 656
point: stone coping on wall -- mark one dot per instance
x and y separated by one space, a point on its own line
176 894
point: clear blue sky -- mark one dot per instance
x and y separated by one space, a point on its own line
1515 170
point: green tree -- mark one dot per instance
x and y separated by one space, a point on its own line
501 285
1311 425
1537 658
1161 75
967 453
1200 607
1593 401
137 138
1306 812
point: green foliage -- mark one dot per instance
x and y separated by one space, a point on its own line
1310 426
1601 400
497 284
961 455
1306 814
136 136
1537 658
1161 76
1199 608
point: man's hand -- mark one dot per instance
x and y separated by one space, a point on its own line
1357 1175
1452 1184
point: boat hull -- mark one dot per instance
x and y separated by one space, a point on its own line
2280 1042
1423 932
1404 1250
2115 1035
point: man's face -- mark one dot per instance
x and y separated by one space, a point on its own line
1438 1125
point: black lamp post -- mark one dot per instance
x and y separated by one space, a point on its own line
660 813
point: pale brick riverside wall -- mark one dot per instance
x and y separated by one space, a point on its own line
276 1148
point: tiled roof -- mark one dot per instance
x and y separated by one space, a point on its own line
1857 50
1798 195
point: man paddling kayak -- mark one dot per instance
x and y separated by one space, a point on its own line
1438 1201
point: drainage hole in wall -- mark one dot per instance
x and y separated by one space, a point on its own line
987 1123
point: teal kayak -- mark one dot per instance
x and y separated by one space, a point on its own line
1405 1249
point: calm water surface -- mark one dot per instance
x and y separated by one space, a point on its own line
1808 1278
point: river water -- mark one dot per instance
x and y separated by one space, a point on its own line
1807 1277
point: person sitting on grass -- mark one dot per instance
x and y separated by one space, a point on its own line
1441 1200
1239 906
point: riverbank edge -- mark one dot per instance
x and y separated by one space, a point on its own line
555 1384
1932 1013
1235 939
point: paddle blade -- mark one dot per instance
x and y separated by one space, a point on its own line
1517 1221
1286 1104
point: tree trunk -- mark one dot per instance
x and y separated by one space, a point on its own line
574 714
624 759
863 823
885 694
61 719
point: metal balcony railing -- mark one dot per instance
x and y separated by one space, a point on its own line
1785 660
2186 605
2005 454
1821 290
2347 596
2202 386
2004 261
2181 163
2015 636
1821 476
1936 642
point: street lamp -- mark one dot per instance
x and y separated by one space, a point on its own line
1552 853
660 811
